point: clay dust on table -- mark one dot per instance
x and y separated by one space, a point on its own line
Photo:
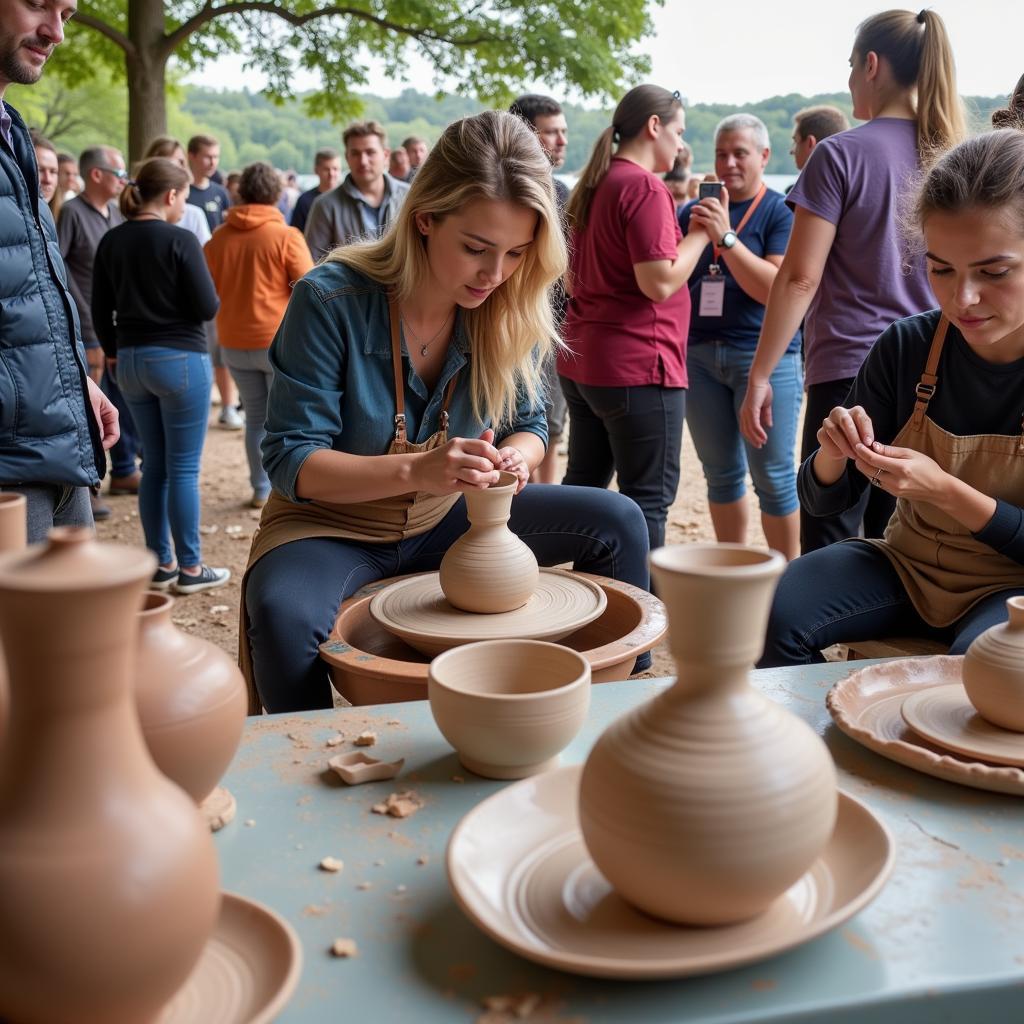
227 525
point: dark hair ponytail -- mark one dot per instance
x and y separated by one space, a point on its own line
635 109
919 53
152 179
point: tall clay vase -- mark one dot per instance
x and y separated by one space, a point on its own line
489 569
994 670
108 875
13 537
191 698
705 804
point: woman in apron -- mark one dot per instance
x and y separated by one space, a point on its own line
405 373
936 419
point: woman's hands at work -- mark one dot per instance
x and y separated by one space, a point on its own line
463 464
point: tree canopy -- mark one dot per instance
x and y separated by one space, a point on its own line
488 48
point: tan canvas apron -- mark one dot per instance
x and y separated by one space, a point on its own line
944 569
381 521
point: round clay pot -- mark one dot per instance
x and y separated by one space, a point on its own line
108 874
509 707
369 665
489 569
994 670
191 699
13 537
705 804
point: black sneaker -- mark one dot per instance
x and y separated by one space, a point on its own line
205 579
163 578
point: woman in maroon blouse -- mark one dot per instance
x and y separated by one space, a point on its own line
624 373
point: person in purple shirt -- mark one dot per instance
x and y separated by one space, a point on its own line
845 268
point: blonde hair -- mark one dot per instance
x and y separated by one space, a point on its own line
919 53
494 156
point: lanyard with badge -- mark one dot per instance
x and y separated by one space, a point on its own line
712 286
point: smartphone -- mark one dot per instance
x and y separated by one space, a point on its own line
709 188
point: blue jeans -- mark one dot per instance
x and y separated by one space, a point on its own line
635 433
168 392
252 372
718 375
124 454
848 592
292 593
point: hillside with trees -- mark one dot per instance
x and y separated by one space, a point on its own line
252 127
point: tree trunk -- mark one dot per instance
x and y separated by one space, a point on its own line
147 75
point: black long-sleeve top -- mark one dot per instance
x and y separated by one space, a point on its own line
151 287
972 396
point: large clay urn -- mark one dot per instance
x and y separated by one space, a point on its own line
108 874
489 569
191 699
705 804
994 670
13 537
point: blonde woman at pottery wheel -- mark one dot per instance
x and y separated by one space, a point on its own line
935 419
406 372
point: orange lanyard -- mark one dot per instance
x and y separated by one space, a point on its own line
743 223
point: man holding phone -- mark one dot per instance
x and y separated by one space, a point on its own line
749 226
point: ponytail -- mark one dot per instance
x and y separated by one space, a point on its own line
152 179
919 54
635 109
578 208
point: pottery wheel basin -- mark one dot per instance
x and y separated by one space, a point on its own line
368 665
414 608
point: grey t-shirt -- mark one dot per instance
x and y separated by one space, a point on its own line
80 227
857 180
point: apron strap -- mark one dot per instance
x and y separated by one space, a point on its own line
396 365
925 389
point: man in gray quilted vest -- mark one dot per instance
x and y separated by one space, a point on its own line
55 423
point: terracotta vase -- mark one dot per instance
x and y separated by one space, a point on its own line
13 537
705 804
191 699
994 670
489 569
108 875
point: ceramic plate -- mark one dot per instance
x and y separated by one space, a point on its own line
519 869
248 970
866 706
944 715
415 610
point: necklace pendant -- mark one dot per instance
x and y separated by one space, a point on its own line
423 350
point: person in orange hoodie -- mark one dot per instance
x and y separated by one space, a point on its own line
254 259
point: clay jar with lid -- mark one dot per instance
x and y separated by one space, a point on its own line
108 874
489 569
191 699
993 671
708 802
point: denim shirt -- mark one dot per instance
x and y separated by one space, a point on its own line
334 387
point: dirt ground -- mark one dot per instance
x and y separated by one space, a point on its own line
228 524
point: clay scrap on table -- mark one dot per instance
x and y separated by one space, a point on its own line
365 739
344 948
331 864
399 805
356 767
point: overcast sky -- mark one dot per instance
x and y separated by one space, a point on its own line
734 53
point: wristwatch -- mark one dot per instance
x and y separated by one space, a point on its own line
729 239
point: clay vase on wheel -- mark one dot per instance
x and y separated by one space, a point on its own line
994 670
708 802
191 699
489 569
108 875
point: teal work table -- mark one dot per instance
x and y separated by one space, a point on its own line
943 942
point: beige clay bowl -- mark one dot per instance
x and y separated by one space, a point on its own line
509 707
368 665
415 610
